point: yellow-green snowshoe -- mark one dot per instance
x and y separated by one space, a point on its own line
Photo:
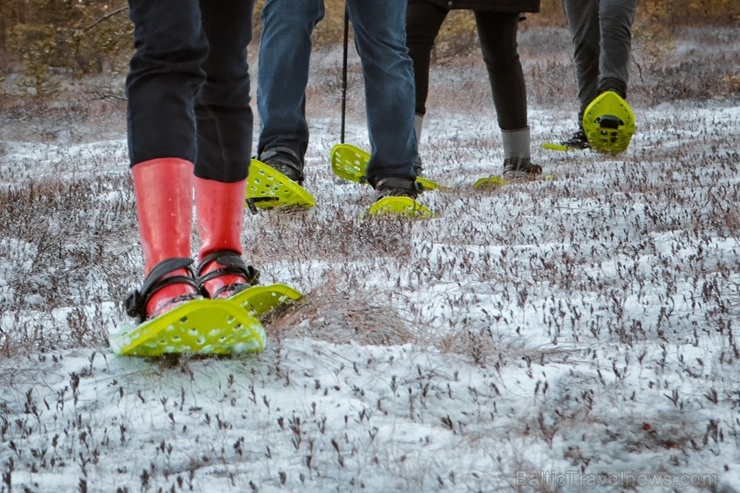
495 181
267 188
203 327
609 123
350 163
490 182
259 300
555 146
405 207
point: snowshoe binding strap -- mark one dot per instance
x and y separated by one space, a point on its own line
232 265
137 300
578 141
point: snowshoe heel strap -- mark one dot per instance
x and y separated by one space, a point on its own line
137 300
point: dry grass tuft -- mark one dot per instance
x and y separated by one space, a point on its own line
338 315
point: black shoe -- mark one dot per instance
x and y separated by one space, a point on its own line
397 187
613 85
518 168
284 160
578 141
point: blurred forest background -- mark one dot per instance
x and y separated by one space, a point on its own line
46 43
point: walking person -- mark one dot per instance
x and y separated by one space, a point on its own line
601 31
189 129
285 50
497 24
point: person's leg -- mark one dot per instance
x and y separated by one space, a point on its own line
224 147
285 51
380 38
583 22
165 73
423 20
223 112
497 32
615 18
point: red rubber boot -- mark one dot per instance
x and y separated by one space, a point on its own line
164 204
220 210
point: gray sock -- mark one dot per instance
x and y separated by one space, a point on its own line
516 143
418 124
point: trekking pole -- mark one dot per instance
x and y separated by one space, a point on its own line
344 71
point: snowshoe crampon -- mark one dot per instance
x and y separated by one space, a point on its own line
609 123
350 163
267 188
405 207
202 327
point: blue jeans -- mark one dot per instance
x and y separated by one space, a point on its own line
380 39
188 85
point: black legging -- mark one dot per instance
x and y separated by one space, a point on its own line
497 34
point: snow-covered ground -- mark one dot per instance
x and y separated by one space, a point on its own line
574 334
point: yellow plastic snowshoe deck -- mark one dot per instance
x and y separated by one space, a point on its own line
495 181
402 207
350 162
556 146
490 182
204 327
258 300
609 123
267 188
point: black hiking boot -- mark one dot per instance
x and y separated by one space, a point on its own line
284 160
397 187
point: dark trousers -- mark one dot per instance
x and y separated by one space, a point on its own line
602 43
497 33
188 85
